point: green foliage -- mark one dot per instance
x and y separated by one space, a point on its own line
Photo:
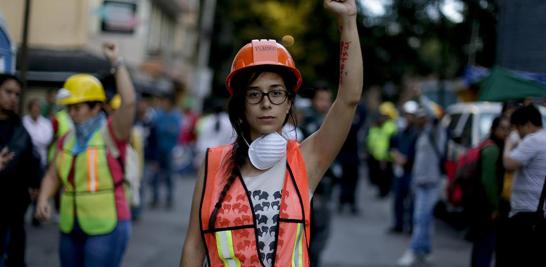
406 40
315 33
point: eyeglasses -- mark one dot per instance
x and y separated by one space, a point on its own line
276 97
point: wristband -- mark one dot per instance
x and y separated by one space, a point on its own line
116 64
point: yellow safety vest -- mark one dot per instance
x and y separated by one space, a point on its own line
91 193
64 124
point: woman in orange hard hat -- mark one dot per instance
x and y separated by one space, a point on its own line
252 198
94 213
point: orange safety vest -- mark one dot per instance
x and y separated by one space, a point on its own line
232 241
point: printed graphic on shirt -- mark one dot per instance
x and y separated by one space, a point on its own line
266 206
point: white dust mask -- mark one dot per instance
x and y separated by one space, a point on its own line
267 150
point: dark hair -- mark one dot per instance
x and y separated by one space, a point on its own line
508 105
93 104
90 104
320 86
495 124
236 111
4 77
525 114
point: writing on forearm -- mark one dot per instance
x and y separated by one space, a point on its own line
343 56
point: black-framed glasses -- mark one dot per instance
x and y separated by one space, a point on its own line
276 97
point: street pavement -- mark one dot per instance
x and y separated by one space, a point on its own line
355 240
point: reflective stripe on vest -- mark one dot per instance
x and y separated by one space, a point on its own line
91 193
297 254
226 251
235 225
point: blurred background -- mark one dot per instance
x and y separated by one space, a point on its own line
457 53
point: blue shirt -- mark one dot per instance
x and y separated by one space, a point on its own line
168 126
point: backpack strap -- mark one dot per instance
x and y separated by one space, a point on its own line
109 142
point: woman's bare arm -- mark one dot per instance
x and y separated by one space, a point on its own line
321 148
193 252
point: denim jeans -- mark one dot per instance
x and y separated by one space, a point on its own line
78 249
425 199
163 175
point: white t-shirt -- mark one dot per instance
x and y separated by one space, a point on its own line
41 133
292 132
529 180
265 191
212 130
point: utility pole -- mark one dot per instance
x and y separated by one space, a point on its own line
443 57
24 45
202 82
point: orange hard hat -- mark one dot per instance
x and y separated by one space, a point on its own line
262 53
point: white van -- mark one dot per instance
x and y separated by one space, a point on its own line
469 123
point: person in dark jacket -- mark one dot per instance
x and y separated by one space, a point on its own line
402 149
19 172
349 159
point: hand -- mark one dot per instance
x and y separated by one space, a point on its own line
43 210
342 8
400 159
5 157
509 145
111 51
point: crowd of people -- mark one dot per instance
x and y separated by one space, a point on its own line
268 165
500 189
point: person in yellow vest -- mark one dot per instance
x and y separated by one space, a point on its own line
94 214
378 143
252 198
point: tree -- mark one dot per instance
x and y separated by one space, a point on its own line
315 49
412 37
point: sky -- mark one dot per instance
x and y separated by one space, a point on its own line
452 9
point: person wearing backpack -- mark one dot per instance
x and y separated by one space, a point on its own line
484 207
526 229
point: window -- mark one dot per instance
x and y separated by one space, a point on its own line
118 17
453 121
484 124
466 135
161 31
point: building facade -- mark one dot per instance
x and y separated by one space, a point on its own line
158 38
521 38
